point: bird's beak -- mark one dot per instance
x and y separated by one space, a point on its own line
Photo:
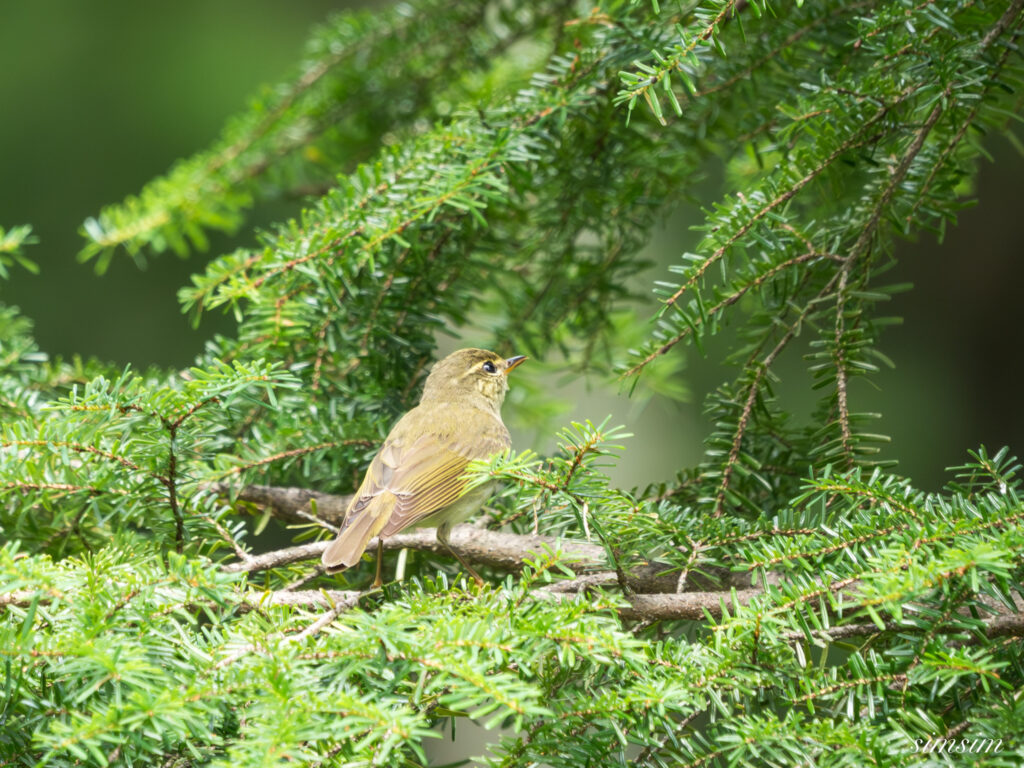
512 362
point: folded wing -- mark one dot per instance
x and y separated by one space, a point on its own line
409 480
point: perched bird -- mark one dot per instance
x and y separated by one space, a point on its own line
416 479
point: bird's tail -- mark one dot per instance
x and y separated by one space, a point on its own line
345 551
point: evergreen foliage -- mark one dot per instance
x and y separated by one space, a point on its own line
501 165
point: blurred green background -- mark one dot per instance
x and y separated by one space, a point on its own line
97 98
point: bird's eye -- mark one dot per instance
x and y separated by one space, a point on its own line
489 367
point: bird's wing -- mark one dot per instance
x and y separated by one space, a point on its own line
410 478
427 474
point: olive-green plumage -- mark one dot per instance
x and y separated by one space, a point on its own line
416 479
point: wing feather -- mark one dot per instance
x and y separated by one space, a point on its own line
411 478
431 480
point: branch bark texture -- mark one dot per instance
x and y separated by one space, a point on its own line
651 590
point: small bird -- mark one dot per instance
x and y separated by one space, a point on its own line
416 479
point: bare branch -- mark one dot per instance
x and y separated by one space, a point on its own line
1004 22
651 587
1003 625
335 600
692 606
292 505
277 558
509 552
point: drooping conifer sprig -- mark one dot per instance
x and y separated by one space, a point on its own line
801 247
367 79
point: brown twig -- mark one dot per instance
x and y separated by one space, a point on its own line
689 606
495 549
1005 20
1003 625
292 505
842 402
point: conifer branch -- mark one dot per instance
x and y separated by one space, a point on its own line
842 405
687 606
504 192
80 448
753 389
1013 11
860 137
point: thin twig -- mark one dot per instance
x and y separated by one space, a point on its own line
840 363
1005 20
748 406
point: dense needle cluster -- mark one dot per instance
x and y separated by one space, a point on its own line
500 166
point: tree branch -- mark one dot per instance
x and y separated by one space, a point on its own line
1002 625
496 549
688 606
1004 22
651 588
508 552
292 505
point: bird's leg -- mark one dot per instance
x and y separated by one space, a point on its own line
378 581
443 532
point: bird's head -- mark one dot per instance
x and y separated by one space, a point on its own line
474 376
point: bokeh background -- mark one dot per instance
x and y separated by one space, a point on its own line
97 98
